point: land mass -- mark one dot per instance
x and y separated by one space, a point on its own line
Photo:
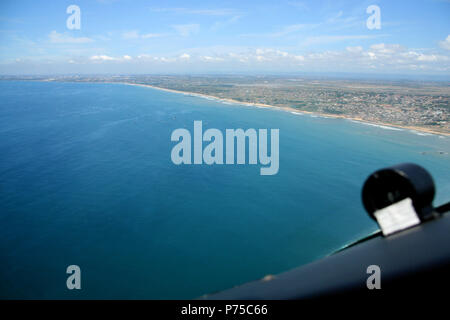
417 105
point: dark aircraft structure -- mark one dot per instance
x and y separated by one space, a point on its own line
410 253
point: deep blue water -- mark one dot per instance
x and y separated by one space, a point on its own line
86 178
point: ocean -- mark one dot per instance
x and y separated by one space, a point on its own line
86 179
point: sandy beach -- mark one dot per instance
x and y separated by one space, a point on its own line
290 109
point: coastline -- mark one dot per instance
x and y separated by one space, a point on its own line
290 109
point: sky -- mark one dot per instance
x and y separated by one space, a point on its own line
153 37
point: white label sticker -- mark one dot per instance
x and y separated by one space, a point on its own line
396 217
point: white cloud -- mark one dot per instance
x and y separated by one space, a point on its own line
151 35
134 34
207 12
335 22
56 37
144 56
432 58
284 31
164 59
354 49
267 55
262 58
299 4
185 30
445 44
282 53
102 58
222 24
424 57
387 48
371 55
289 29
130 35
379 57
211 59
333 39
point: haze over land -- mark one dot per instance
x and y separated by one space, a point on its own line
420 105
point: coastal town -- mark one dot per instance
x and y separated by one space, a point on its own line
416 104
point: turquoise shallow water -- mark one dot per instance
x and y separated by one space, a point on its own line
86 179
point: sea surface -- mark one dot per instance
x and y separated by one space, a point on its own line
86 179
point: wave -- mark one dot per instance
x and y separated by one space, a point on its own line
421 133
376 125
383 127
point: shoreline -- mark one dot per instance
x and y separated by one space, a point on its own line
290 109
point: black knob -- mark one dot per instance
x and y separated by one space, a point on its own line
391 185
